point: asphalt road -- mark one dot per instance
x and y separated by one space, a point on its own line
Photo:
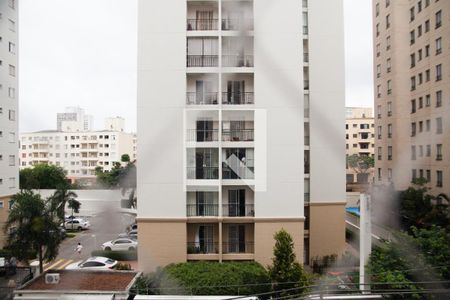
105 226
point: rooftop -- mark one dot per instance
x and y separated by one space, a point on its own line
84 281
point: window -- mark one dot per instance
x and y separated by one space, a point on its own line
388 21
419 54
427 50
438 72
413 60
412 37
388 42
378 29
12 182
388 65
12 93
427 100
427 75
413 83
389 109
378 49
438 125
12 115
388 2
428 125
420 126
420 151
411 14
389 87
439 152
438 46
377 9
413 129
12 48
427 25
438 98
413 152
439 178
420 102
12 70
12 160
12 137
420 77
414 174
378 91
379 174
379 111
419 6
389 130
439 19
12 25
379 132
428 151
428 175
378 71
12 4
419 31
380 151
389 152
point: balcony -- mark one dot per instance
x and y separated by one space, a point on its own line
202 135
202 247
208 173
237 61
242 135
207 98
237 24
202 24
238 247
199 61
202 210
243 98
240 172
238 210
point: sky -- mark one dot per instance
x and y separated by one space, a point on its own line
84 53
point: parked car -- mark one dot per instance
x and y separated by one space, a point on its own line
130 234
132 227
68 218
94 263
120 244
77 224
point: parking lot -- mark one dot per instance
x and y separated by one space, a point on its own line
105 226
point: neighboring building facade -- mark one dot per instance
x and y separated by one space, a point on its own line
79 153
74 119
115 124
9 166
412 88
360 137
235 140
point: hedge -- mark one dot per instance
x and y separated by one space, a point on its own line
207 278
116 255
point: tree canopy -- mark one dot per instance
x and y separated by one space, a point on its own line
361 164
43 176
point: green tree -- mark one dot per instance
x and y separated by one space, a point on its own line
32 229
420 209
43 176
125 158
286 272
361 164
62 198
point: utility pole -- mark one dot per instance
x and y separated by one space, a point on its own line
365 240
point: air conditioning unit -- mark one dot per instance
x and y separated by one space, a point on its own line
52 278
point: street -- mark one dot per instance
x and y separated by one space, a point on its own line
105 226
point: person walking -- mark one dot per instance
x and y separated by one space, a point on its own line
79 248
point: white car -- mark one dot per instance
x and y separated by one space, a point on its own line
77 224
94 263
130 234
120 244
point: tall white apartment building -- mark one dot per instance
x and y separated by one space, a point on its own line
74 119
240 124
9 167
79 153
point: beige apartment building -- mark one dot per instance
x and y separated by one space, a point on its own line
359 136
412 92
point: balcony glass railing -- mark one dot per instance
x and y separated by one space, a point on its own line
240 172
202 60
242 135
203 173
233 60
241 98
202 247
202 210
231 247
202 135
202 24
237 24
207 98
237 210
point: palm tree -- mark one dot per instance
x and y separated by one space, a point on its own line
60 199
31 228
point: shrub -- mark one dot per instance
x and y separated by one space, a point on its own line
117 255
207 278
